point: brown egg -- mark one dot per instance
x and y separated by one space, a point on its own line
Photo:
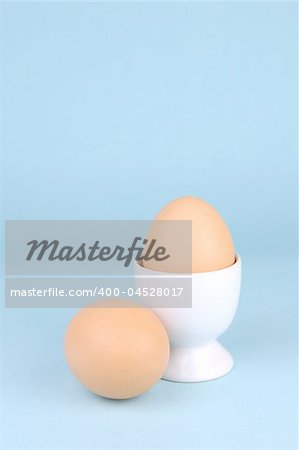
212 244
117 349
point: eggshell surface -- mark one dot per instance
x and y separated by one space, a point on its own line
117 349
212 244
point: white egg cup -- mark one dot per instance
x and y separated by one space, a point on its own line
195 353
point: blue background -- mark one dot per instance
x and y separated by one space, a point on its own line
109 111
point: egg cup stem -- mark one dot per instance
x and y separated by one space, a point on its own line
202 363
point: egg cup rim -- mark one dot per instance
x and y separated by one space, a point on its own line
151 272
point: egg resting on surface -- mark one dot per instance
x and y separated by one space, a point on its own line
117 349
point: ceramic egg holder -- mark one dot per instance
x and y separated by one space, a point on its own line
196 354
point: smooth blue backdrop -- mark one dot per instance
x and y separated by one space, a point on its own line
110 110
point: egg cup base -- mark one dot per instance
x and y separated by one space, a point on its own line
196 364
